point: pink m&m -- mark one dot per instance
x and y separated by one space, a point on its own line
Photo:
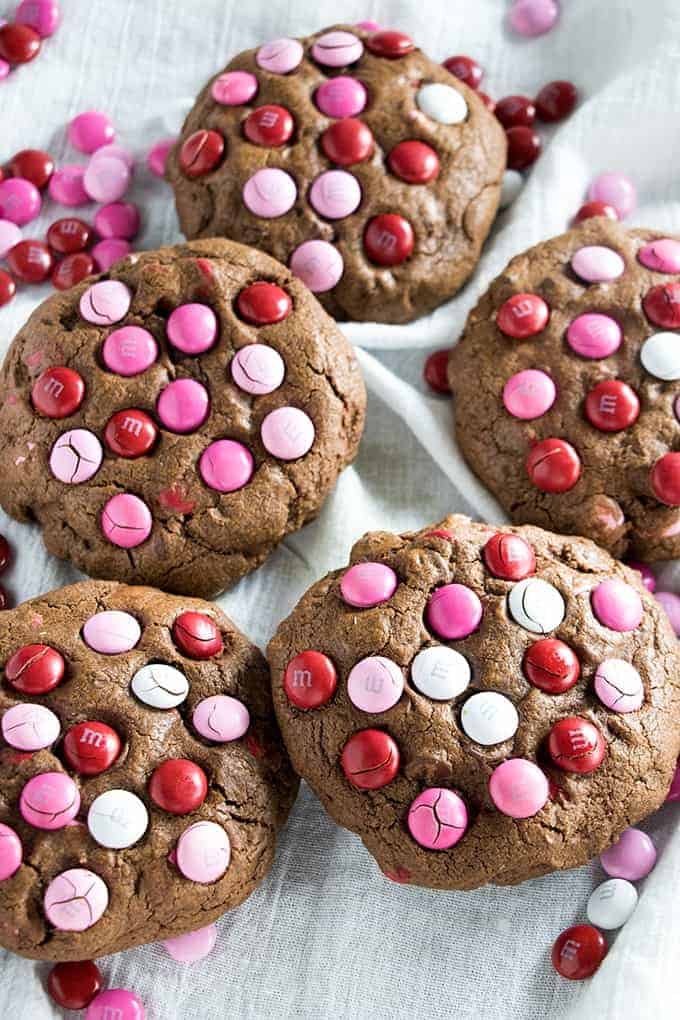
454 611
368 584
594 335
106 179
192 328
341 97
335 193
663 256
673 793
287 433
375 684
280 56
193 946
614 189
437 818
107 253
532 18
20 201
126 520
619 686
120 152
42 15
158 155
203 852
318 264
632 857
597 264
5 66
234 88
67 185
89 131
648 578
30 727
671 603
529 394
10 234
76 456
518 788
221 718
11 852
117 219
337 49
49 801
269 193
617 605
226 465
183 405
129 350
75 900
257 369
111 632
116 1004
105 303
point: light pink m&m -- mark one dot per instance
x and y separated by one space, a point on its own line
203 852
593 335
30 727
75 900
193 946
632 857
20 201
619 686
126 520
183 405
129 350
335 193
67 185
375 684
10 234
318 264
221 718
76 456
116 1004
617 605
269 193
111 632
49 801
341 97
280 56
368 584
106 179
529 394
518 788
107 253
226 465
287 433
532 18
234 88
337 49
158 155
192 328
663 256
257 369
105 303
117 219
454 611
90 130
671 603
11 852
597 264
437 818
614 189
120 152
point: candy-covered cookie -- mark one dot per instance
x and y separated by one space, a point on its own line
353 158
143 775
173 420
480 704
566 384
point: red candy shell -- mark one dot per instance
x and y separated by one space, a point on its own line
33 165
414 162
551 665
612 406
269 126
201 153
390 44
388 239
578 952
662 305
553 465
178 786
58 392
263 303
74 985
130 433
91 747
509 557
435 371
35 669
370 759
197 635
522 316
347 141
576 745
665 479
590 209
72 269
310 680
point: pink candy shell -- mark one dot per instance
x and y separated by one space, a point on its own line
183 406
89 131
594 336
117 220
107 253
671 604
269 193
67 185
614 189
105 303
287 433
437 818
518 788
617 605
126 520
674 792
663 256
318 264
11 852
454 611
120 152
532 18
111 632
192 328
129 350
76 456
193 946
158 155
335 194
10 234
226 465
106 179
42 15
116 1004
375 684
20 201
75 900
368 584
632 857
596 263
337 49
4 68
529 394
280 56
619 686
341 97
203 852
221 718
29 727
257 369
49 801
234 88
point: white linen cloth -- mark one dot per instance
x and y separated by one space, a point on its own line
327 936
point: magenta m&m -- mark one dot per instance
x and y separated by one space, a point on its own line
632 857
518 788
437 818
226 465
192 328
593 335
341 97
529 394
126 520
183 405
318 264
11 852
368 584
617 605
49 801
454 611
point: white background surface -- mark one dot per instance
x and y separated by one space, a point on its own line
326 935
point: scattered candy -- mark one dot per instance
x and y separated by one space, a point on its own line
42 15
20 201
30 261
632 857
8 288
511 185
107 253
555 101
158 155
616 190
466 69
32 165
106 178
90 131
19 43
435 371
74 985
612 903
69 235
116 1004
117 220
67 185
72 269
193 946
524 147
578 952
515 111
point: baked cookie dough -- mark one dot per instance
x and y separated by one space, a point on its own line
143 775
370 170
480 705
172 421
566 384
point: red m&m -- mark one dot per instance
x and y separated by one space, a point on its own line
553 465
551 665
513 111
197 635
8 288
662 305
263 303
19 44
33 165
178 786
436 370
347 141
58 392
612 406
388 239
74 985
72 270
590 209
269 126
390 44
465 69
130 433
522 316
35 669
370 759
414 162
508 556
576 745
665 479
201 153
310 680
30 261
578 952
555 101
524 147
91 747
69 235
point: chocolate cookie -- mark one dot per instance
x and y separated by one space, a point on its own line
172 422
566 385
350 156
480 706
143 776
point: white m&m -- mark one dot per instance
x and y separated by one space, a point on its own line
442 103
117 819
660 356
536 605
612 903
440 673
160 686
489 718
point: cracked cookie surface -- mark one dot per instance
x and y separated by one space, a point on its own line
566 383
352 157
171 423
480 706
102 872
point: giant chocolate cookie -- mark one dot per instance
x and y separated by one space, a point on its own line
480 706
353 158
143 776
174 421
566 384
